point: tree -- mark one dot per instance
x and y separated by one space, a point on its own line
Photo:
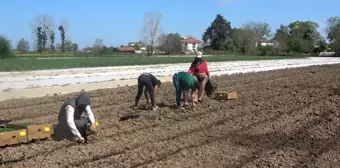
105 50
171 43
62 34
218 33
333 28
68 46
244 40
333 32
261 29
303 36
44 37
98 43
283 37
42 27
266 50
23 45
162 38
112 49
52 38
39 39
5 47
298 36
75 47
322 46
58 47
151 29
64 25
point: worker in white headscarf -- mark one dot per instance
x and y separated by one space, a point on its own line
199 68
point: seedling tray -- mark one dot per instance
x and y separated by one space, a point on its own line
12 135
7 129
36 131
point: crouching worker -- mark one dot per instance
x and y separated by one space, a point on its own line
151 84
183 81
71 122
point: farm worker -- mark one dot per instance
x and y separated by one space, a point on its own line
183 81
151 84
199 68
71 122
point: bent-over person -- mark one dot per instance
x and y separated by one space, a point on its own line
183 81
151 84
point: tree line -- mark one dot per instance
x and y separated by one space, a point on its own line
300 37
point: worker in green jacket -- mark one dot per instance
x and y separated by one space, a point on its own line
183 81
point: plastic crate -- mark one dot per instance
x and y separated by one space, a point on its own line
225 95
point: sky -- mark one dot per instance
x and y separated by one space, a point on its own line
119 22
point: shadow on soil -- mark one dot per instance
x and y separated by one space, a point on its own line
147 107
299 139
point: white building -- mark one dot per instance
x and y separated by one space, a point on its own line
190 44
142 47
266 43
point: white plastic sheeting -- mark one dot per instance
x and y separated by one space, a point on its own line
46 78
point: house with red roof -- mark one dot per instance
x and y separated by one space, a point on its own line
126 50
190 44
141 47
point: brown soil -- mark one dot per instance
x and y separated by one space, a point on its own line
283 118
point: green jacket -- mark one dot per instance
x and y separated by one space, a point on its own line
186 81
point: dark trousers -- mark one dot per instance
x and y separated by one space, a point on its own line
62 130
177 88
145 81
81 125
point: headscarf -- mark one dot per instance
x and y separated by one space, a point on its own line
198 60
83 100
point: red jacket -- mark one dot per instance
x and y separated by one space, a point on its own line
200 68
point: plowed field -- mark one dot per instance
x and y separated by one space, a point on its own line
283 118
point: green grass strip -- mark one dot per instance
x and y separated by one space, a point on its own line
24 64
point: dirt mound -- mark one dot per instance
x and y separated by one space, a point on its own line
283 118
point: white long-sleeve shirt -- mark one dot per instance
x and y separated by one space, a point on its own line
70 118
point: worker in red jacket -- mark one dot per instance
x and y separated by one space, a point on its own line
199 68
